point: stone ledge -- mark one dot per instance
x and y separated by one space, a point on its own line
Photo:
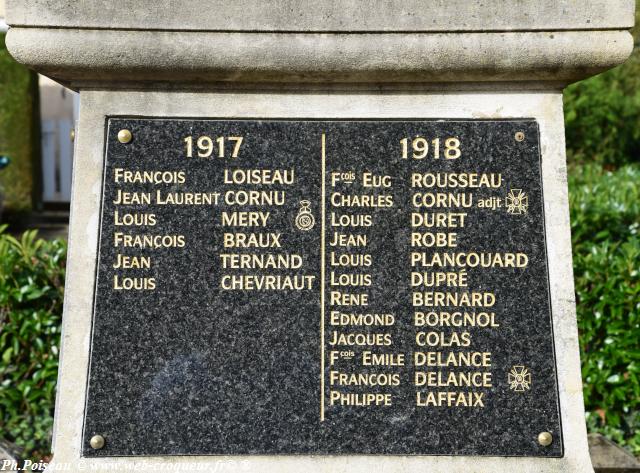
81 56
607 457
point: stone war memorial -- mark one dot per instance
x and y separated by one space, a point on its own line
320 236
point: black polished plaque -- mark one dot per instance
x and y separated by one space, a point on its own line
322 287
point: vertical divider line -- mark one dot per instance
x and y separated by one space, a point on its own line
322 275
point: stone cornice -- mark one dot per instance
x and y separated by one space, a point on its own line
80 57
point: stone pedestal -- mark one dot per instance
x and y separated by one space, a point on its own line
299 60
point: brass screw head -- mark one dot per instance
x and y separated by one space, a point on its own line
72 135
545 439
97 442
519 136
124 136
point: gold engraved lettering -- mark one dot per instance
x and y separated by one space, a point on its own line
251 240
439 379
360 339
453 299
132 262
133 219
382 359
364 200
148 241
442 199
372 180
455 319
437 278
438 219
259 176
126 176
364 379
445 359
187 198
449 399
367 320
440 339
348 260
469 260
350 220
429 239
348 239
456 180
266 282
245 219
132 198
257 198
347 299
359 399
133 284
491 203
260 261
348 279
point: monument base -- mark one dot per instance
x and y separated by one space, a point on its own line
410 103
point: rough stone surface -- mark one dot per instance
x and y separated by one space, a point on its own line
96 106
9 461
81 57
342 15
117 44
607 457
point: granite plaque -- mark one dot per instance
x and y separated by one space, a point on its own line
322 287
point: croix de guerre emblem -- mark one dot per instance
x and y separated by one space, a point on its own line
517 202
519 379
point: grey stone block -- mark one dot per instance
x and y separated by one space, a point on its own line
96 43
85 57
8 457
607 457
338 16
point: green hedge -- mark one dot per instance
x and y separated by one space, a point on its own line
602 114
605 224
19 132
31 289
602 118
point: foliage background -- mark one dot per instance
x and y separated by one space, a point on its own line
603 149
19 133
31 292
602 117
